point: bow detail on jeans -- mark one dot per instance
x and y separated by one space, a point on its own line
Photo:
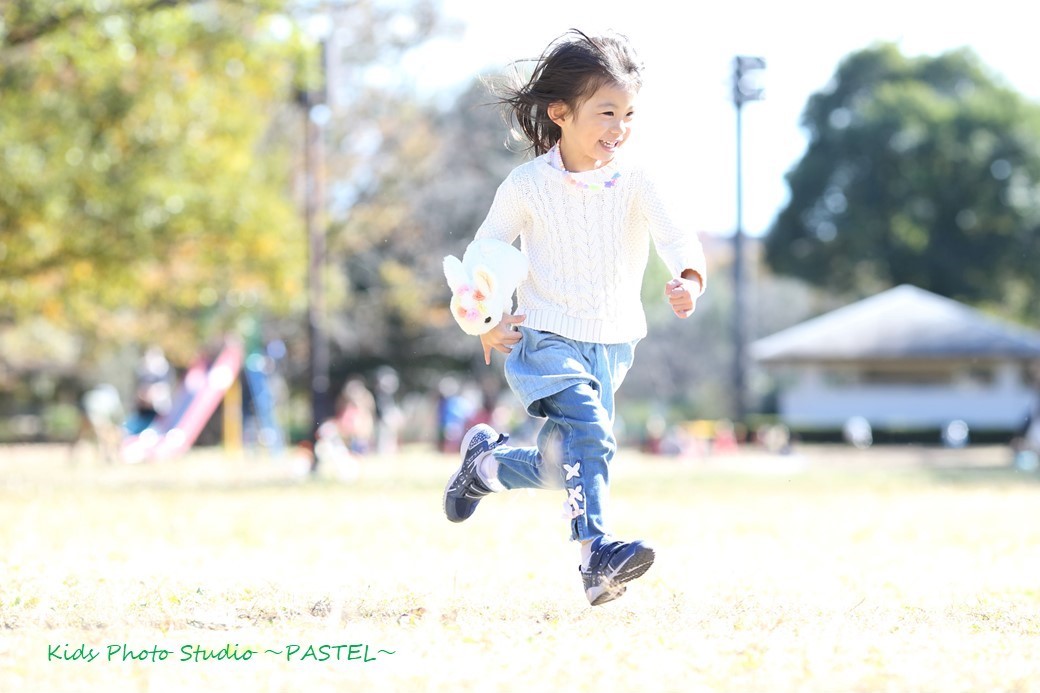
572 507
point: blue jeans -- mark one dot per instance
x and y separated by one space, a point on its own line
572 385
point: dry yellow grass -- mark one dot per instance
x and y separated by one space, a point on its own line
897 570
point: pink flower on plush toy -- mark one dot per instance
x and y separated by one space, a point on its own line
470 304
483 282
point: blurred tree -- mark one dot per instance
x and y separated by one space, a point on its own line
430 180
140 189
151 153
922 171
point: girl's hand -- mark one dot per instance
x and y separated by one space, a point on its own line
682 295
502 337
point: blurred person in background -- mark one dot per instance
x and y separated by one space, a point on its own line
356 414
153 393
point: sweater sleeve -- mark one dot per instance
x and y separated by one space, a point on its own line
506 217
676 244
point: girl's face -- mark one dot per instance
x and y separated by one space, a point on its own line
594 132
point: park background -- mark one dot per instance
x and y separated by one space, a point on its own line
291 174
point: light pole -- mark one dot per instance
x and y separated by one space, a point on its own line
315 117
745 88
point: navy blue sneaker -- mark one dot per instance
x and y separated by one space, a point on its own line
465 489
613 563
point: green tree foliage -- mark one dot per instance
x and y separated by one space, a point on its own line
139 187
918 170
151 156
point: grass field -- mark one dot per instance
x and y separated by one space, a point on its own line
829 570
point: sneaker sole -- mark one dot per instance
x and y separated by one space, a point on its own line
468 438
634 568
444 500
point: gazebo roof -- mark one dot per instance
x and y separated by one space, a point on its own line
901 323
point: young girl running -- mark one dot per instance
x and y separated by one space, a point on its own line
584 216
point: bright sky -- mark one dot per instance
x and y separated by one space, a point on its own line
688 118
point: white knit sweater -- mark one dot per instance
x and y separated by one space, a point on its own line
588 248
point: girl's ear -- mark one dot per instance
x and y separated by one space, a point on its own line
557 112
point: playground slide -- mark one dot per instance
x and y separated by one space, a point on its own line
193 381
139 447
203 392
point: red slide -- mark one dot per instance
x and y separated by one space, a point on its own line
208 394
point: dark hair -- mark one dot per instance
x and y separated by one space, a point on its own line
570 70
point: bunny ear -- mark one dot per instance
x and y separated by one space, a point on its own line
484 281
454 272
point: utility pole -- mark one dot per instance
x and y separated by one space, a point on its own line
745 88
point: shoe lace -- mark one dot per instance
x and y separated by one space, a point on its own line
603 554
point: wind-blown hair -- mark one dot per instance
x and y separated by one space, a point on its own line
570 70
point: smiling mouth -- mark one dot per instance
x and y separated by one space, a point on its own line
611 145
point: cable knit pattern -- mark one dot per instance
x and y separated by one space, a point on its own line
588 248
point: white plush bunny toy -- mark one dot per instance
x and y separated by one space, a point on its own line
483 282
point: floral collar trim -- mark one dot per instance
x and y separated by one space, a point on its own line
556 161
